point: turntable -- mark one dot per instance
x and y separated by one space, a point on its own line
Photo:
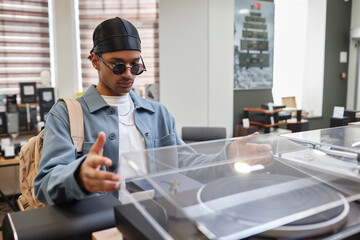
296 194
342 142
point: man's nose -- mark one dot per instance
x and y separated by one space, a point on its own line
127 72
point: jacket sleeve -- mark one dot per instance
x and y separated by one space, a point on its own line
55 182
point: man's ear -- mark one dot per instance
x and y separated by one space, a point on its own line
95 61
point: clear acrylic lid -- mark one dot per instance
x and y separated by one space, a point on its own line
235 188
346 137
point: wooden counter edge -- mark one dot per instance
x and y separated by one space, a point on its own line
107 234
9 162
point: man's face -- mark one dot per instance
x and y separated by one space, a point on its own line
111 84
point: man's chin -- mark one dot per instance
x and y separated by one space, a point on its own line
123 91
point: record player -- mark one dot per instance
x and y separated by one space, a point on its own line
298 193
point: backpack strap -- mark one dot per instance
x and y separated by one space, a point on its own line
76 121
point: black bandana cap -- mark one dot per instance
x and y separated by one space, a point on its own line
115 34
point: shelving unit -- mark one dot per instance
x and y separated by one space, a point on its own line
28 113
267 123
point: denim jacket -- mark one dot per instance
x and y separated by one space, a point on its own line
55 182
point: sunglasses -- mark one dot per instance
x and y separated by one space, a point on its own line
120 68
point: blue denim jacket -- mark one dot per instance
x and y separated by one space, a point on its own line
55 182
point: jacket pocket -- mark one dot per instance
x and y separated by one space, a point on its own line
168 140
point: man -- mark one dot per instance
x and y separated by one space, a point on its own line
115 120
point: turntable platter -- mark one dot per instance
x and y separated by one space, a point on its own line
265 209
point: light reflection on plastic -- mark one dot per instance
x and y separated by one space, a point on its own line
242 167
133 165
319 152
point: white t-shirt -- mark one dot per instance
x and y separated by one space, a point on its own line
130 138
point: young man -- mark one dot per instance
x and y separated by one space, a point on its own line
115 120
112 114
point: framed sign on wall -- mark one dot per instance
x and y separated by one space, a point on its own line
253 44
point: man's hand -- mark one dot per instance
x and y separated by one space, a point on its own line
251 153
90 176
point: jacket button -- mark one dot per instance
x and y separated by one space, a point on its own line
112 168
111 111
147 134
112 136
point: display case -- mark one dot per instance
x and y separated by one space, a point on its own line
256 187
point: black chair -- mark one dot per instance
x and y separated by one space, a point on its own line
197 134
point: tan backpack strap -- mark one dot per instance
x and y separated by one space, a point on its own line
76 120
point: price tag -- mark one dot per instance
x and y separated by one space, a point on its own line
5 142
9 151
246 122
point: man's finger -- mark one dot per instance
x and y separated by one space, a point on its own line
257 148
96 161
101 175
264 148
102 186
246 139
265 160
97 148
109 186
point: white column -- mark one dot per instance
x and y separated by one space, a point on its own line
196 61
351 100
66 58
183 53
221 64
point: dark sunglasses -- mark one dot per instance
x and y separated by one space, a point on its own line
120 68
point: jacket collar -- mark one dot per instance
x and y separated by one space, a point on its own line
94 101
140 102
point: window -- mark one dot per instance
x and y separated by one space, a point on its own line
24 43
142 13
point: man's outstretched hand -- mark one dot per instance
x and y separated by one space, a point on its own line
252 153
90 176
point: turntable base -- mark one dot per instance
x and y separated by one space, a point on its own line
270 207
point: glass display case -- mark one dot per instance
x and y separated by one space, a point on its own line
256 187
